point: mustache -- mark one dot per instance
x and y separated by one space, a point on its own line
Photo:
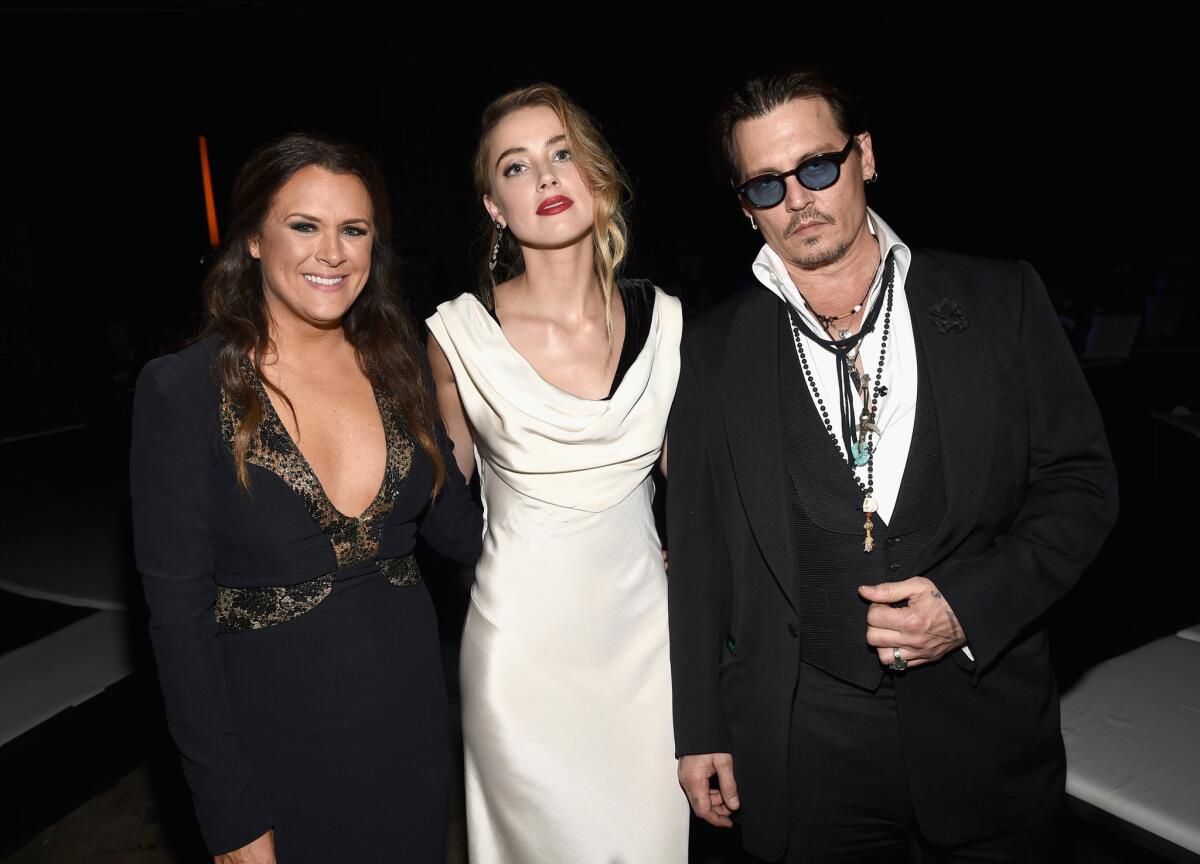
806 216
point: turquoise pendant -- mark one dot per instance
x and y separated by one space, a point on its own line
860 452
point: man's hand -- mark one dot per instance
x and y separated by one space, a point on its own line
714 806
260 851
924 630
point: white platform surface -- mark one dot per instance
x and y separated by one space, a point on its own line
1132 732
62 670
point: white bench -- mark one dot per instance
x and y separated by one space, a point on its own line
61 670
1131 727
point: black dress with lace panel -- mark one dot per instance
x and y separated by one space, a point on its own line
297 647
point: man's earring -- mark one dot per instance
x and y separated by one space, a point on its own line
496 248
873 177
752 225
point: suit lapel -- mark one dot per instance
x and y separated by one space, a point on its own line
962 386
750 396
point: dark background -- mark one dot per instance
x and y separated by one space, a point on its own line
1056 149
1000 137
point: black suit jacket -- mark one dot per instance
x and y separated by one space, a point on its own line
1030 495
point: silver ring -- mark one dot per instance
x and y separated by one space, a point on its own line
899 664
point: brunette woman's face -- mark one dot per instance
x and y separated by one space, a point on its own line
537 190
315 247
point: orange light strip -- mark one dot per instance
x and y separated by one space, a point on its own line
210 207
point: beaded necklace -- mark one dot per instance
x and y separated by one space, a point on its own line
828 321
859 446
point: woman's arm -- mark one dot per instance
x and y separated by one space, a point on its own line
170 462
451 407
453 524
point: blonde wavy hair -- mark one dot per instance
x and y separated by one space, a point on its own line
599 168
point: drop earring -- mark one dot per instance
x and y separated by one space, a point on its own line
496 248
752 225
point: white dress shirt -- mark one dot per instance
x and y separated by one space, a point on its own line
897 411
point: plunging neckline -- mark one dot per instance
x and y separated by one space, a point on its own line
494 322
387 447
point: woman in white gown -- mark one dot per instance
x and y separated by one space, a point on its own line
558 380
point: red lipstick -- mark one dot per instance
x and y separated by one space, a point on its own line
554 206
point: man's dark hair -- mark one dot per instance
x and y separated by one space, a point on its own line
762 94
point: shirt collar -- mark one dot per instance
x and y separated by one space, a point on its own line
770 270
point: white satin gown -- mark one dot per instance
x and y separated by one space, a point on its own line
566 680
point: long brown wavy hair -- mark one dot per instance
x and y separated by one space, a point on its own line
600 170
378 324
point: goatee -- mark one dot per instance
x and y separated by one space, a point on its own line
823 259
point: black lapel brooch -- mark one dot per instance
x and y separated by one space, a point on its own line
948 316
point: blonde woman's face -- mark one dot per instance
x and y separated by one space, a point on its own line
537 192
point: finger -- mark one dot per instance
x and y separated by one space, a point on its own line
889 618
887 656
719 821
697 794
695 787
878 637
934 654
906 620
891 592
709 807
728 786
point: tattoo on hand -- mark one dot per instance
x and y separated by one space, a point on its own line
937 595
953 625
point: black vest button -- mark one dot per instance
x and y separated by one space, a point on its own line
893 567
792 629
892 541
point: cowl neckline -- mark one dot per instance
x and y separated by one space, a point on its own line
525 389
544 442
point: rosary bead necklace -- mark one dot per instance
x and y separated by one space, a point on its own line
860 447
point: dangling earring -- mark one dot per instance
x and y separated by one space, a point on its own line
752 225
496 248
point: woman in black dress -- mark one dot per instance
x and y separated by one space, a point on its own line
296 645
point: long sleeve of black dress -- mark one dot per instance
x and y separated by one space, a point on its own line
170 471
195 530
452 524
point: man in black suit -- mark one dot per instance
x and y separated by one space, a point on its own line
885 467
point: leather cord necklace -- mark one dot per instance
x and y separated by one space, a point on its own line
828 321
859 444
846 350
